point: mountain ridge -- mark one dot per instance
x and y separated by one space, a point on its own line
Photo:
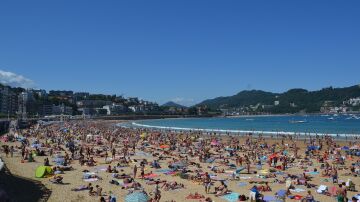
291 101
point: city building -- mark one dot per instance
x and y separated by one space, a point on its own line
26 104
61 93
114 109
92 103
8 101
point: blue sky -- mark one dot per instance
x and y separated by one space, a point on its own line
185 51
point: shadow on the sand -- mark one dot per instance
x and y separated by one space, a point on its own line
22 189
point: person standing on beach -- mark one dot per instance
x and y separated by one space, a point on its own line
334 175
106 156
12 151
113 153
248 165
6 150
207 182
135 171
142 170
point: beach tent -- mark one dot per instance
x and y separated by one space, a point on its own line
137 197
42 171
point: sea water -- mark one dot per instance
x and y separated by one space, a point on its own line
339 125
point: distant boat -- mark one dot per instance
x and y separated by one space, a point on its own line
326 115
303 121
331 118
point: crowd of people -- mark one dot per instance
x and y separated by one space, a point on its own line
138 158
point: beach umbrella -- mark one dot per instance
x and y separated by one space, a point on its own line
137 197
164 146
345 148
312 148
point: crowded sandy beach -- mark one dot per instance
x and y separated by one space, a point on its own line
91 160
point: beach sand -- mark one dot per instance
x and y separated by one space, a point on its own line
74 179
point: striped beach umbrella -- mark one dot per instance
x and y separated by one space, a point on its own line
137 197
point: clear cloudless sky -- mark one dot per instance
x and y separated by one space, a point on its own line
184 50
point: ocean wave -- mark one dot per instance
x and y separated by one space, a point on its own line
239 131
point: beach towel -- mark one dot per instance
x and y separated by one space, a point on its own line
217 178
163 170
281 193
103 168
88 175
245 177
142 154
91 180
171 173
279 173
150 175
333 191
239 169
270 198
297 190
242 184
210 160
312 173
233 197
321 189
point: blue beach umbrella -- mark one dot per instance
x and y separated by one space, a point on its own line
137 197
345 148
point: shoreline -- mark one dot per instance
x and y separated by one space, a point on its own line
136 124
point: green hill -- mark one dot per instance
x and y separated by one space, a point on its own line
292 101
